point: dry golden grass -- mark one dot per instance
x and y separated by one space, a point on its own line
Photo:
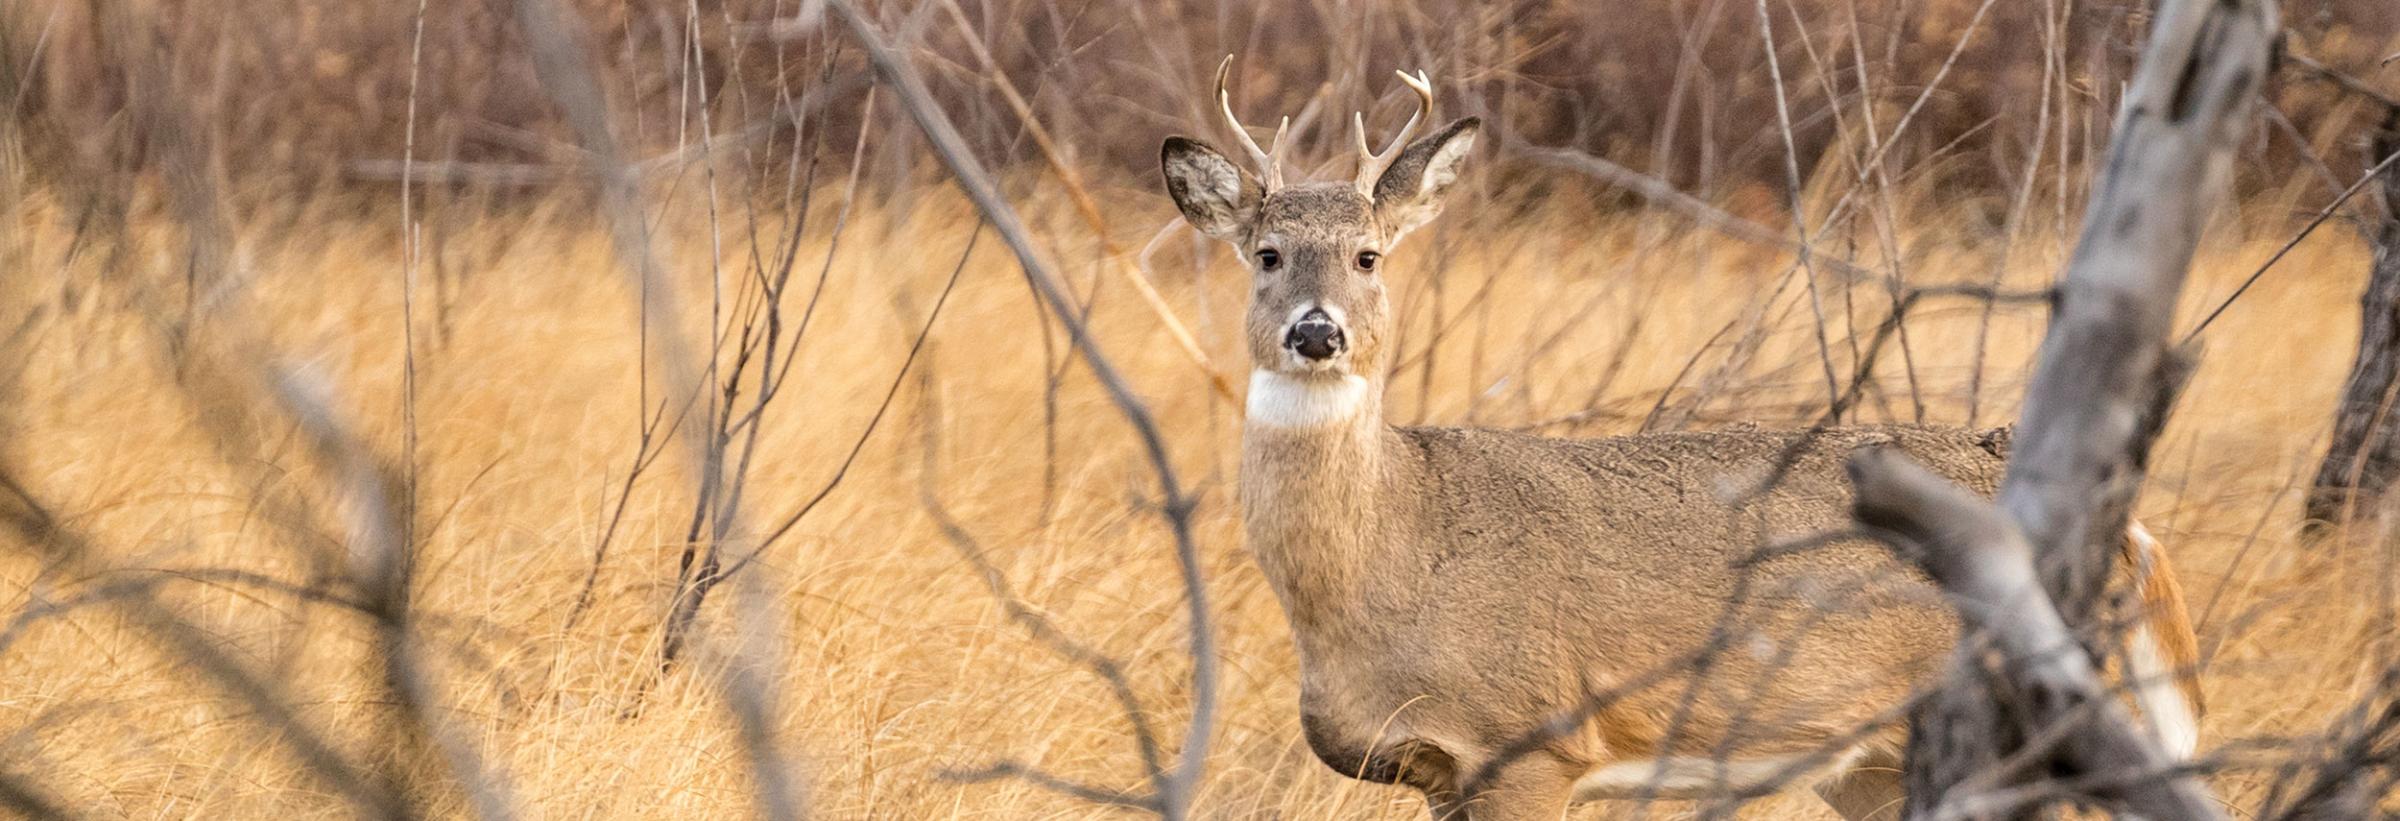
896 663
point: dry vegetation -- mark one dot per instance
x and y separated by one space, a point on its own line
134 413
898 663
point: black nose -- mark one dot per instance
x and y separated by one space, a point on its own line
1315 336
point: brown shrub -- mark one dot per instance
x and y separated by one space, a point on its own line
296 90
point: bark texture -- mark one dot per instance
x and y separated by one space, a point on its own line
2364 457
2024 722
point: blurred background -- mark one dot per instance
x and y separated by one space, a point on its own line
385 423
315 96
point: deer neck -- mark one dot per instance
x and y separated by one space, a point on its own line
1312 464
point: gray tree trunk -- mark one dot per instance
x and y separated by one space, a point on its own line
2023 721
2364 458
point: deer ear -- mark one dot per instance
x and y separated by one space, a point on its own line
1410 191
1215 196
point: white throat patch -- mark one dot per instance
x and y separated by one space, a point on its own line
1280 400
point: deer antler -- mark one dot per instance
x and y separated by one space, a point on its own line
1270 162
1371 165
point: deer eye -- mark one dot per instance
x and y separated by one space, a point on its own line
1367 260
1268 259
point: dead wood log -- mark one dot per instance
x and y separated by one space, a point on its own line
2028 723
2037 680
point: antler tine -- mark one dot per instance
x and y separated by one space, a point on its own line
1269 161
1371 164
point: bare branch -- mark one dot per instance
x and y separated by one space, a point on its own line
28 801
1004 770
1987 566
2167 167
859 445
1660 193
2027 572
2322 215
1176 506
1145 737
562 62
26 515
1087 209
383 567
2359 766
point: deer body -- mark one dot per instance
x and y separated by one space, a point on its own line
1451 592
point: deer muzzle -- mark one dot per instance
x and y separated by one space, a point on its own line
1316 337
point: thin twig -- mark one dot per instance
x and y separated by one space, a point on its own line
2323 214
409 266
1660 193
1003 770
384 569
1792 202
563 65
1176 507
31 520
1145 736
1089 211
859 444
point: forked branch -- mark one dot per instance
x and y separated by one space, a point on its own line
1985 563
2027 574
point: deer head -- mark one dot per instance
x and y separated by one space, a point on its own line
1317 250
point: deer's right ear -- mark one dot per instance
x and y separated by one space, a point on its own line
1215 196
1409 193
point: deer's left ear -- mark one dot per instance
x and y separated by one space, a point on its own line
1410 191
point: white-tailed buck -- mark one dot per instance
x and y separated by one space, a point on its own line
1451 591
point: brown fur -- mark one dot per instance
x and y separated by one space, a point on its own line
2170 621
1482 582
1451 590
1479 582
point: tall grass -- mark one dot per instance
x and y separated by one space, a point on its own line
898 664
492 357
